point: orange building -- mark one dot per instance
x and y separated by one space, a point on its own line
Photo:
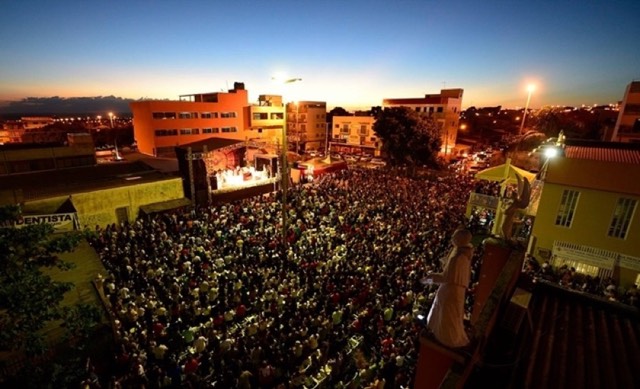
161 125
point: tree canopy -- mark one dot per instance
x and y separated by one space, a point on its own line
408 137
29 298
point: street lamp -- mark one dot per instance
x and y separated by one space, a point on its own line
530 89
115 139
284 167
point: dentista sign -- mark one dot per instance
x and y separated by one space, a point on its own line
59 221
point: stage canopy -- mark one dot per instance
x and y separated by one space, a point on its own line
507 170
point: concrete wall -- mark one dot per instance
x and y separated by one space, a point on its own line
99 207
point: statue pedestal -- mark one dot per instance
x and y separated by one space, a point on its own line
434 363
496 254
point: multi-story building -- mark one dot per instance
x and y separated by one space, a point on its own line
354 135
443 107
13 131
160 125
587 217
26 158
627 127
307 125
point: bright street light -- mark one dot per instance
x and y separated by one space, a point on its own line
111 118
550 152
530 89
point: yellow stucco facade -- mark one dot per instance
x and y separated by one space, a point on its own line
580 230
100 207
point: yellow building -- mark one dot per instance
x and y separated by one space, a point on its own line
93 195
587 216
627 127
354 135
307 125
265 121
443 107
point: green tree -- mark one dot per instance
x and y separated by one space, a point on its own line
409 138
29 298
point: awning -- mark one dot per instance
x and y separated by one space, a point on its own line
499 173
165 205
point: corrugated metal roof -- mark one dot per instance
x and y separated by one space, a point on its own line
580 342
603 154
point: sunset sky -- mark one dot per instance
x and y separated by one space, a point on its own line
349 53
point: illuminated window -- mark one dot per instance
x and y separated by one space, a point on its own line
163 132
164 115
277 116
568 205
580 267
260 116
621 219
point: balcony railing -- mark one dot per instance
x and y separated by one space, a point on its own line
481 200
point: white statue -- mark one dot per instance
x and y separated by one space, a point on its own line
446 317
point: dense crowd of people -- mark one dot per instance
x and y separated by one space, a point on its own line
568 277
215 296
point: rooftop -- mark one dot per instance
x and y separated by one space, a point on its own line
62 182
603 154
580 341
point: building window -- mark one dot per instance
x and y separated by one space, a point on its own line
163 132
622 216
185 131
188 115
439 109
227 115
207 130
209 115
277 115
229 129
195 131
164 115
345 129
632 109
568 205
582 268
260 116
